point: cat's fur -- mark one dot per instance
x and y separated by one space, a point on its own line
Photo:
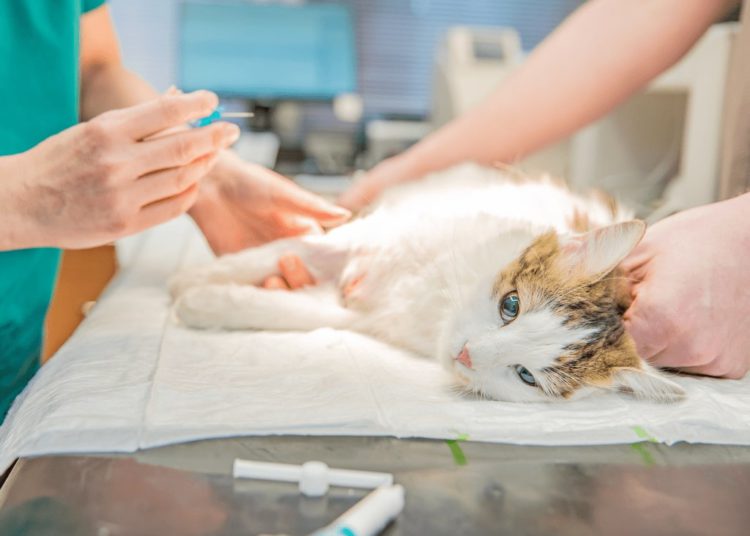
427 270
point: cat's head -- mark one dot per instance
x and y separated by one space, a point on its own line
548 326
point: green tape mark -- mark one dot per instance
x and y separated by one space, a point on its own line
643 434
643 452
458 454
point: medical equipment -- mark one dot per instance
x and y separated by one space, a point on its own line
370 515
217 115
265 51
314 477
470 63
366 518
665 143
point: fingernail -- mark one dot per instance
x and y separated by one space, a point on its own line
230 133
341 211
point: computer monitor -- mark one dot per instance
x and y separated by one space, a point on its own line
267 51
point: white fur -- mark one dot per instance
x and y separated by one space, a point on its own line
428 253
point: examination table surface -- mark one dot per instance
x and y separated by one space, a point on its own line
452 487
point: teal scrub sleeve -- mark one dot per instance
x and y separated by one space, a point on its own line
88 5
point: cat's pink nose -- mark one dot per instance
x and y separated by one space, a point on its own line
464 358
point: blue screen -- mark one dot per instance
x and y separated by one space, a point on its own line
267 51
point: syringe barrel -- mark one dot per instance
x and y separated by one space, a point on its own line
358 479
281 472
370 515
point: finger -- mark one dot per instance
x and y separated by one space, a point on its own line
172 90
689 350
703 370
636 263
295 273
166 112
275 282
181 148
361 193
295 225
295 199
170 182
288 196
649 340
166 209
726 368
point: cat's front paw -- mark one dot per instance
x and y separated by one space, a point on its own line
189 278
200 307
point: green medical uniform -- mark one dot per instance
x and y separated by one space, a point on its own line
38 98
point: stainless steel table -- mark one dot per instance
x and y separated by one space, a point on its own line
452 488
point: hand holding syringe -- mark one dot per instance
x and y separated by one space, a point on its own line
217 115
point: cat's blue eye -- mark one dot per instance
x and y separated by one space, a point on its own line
525 376
510 306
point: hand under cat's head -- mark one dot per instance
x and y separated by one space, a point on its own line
549 325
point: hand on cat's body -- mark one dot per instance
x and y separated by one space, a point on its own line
109 177
293 274
243 205
369 186
691 307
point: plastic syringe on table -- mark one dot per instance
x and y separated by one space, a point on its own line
217 115
370 515
313 477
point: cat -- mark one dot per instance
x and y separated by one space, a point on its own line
511 283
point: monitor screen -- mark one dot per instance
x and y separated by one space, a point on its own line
267 51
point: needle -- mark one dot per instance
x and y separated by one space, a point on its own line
237 114
217 115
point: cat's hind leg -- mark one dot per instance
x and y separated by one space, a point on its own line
237 307
323 257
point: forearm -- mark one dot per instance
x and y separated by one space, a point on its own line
22 218
111 86
600 56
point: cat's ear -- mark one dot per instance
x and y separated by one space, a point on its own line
598 252
647 384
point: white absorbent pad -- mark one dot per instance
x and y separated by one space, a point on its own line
131 378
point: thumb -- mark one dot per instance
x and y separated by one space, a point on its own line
647 333
295 199
361 193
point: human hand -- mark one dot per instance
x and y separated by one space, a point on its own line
243 205
293 274
110 177
369 186
691 307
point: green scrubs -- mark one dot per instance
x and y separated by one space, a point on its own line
38 98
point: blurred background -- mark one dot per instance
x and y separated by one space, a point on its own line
338 86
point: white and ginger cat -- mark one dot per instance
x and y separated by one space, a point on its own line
512 284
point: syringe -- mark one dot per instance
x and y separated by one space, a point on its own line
217 115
